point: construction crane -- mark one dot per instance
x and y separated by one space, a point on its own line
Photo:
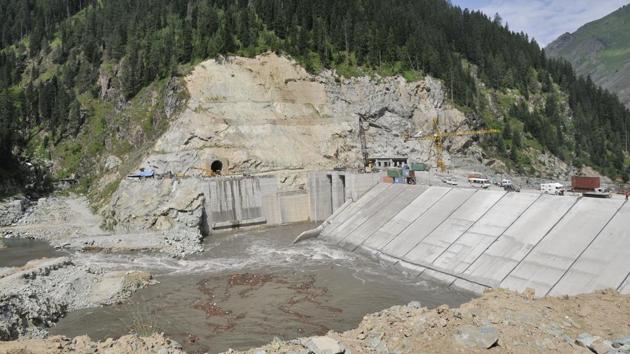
438 136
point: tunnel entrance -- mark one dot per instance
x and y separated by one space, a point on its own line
216 167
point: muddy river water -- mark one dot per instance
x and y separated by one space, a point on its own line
19 251
249 287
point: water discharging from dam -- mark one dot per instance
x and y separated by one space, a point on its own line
251 286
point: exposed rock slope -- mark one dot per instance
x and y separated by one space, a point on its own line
267 114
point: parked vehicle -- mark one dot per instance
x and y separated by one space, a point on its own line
589 187
505 182
598 193
450 181
552 188
511 188
479 182
584 184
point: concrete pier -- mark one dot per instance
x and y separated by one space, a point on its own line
478 239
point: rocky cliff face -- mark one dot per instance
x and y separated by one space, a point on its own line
267 114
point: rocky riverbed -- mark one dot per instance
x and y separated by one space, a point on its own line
35 296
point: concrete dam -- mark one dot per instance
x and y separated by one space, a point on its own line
477 239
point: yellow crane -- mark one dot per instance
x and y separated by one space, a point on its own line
438 136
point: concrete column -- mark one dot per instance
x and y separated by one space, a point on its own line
270 200
338 189
319 190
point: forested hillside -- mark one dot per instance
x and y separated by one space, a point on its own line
54 54
601 50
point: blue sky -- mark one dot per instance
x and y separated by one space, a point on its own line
544 20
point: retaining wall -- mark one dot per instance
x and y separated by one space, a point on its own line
477 239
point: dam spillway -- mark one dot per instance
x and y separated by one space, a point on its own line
477 239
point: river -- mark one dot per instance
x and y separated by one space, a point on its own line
19 251
250 286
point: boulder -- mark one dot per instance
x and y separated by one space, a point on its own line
477 337
324 345
11 211
112 162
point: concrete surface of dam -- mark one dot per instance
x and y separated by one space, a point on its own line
476 239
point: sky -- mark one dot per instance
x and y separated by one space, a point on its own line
545 20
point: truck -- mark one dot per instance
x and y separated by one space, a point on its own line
589 187
505 182
552 188
584 184
478 181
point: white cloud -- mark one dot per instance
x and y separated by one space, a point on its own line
545 20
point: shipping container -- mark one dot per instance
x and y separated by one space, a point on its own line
394 172
388 179
582 183
417 166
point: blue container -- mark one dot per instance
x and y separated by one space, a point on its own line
400 180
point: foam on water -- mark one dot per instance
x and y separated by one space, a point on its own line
228 252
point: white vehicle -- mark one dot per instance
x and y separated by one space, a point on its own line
479 182
450 181
552 188
505 182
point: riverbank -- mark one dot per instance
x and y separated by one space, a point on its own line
35 296
67 222
500 321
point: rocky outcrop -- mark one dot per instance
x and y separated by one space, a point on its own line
157 204
12 210
267 114
35 296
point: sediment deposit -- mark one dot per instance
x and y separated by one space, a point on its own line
33 297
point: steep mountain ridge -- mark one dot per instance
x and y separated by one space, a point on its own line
97 93
601 50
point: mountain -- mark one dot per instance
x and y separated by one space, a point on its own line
601 50
87 86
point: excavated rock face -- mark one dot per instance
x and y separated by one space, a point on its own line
157 204
268 114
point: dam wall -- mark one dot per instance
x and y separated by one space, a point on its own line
252 200
478 239
329 190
